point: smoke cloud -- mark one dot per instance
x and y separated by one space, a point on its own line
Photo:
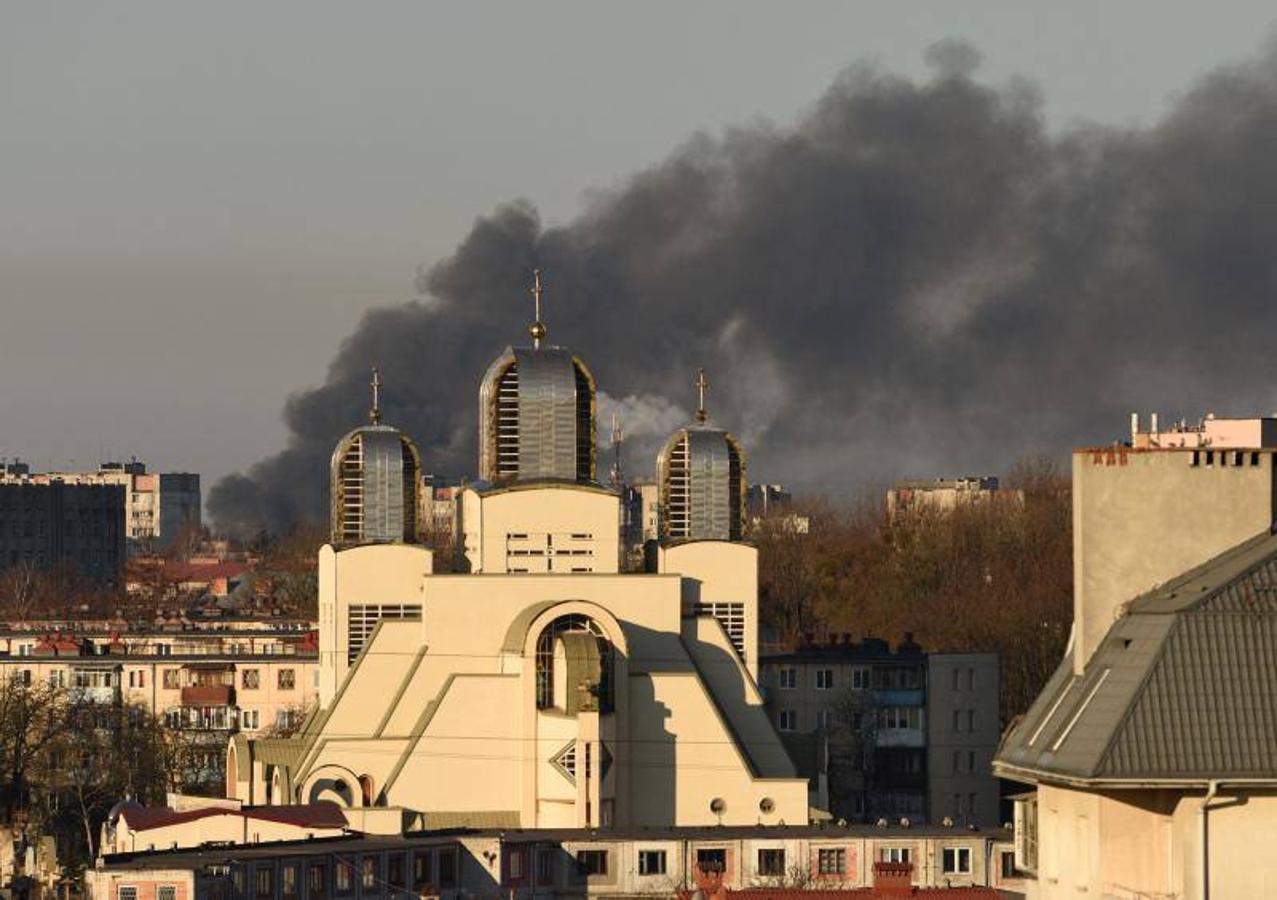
915 278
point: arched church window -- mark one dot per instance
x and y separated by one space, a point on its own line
574 624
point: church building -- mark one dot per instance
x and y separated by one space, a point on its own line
537 685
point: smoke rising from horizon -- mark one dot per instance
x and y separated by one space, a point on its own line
915 278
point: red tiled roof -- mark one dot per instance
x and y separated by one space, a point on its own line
324 814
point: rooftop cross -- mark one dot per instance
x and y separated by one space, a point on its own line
375 413
702 387
537 328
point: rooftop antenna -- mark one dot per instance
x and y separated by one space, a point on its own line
702 388
616 451
537 329
374 414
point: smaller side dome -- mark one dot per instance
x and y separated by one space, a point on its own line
700 474
375 483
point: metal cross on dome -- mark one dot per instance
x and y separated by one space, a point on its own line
702 388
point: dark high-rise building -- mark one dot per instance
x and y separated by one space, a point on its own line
65 526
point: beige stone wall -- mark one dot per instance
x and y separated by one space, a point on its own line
1143 517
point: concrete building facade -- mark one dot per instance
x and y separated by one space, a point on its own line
886 733
58 526
158 507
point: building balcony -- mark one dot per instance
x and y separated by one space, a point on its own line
901 737
899 697
208 695
96 694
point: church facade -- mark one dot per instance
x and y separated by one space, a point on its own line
539 686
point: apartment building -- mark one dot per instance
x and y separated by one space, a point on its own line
889 732
515 863
208 685
157 506
59 526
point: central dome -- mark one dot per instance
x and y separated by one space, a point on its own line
537 412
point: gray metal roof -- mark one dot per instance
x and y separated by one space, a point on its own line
1183 686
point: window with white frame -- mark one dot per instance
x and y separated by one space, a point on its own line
824 719
651 862
860 679
824 679
956 860
894 854
787 678
788 720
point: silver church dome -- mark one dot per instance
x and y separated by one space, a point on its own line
700 474
375 483
537 413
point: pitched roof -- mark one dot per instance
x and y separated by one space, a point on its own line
323 814
1183 686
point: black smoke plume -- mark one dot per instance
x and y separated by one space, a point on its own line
915 278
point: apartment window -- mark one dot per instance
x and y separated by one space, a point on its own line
970 760
394 872
898 717
421 873
264 883
287 679
788 720
651 862
1008 863
514 865
368 874
127 892
545 866
957 720
971 679
166 892
957 761
25 677
956 861
894 855
288 881
956 673
591 862
824 719
172 679
344 876
711 859
316 881
832 861
860 679
447 868
971 720
788 678
251 679
771 862
824 679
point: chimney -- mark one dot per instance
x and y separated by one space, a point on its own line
1135 426
1153 424
893 879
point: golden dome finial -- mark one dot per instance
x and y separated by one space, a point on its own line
537 329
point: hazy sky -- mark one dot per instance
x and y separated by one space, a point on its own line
198 200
